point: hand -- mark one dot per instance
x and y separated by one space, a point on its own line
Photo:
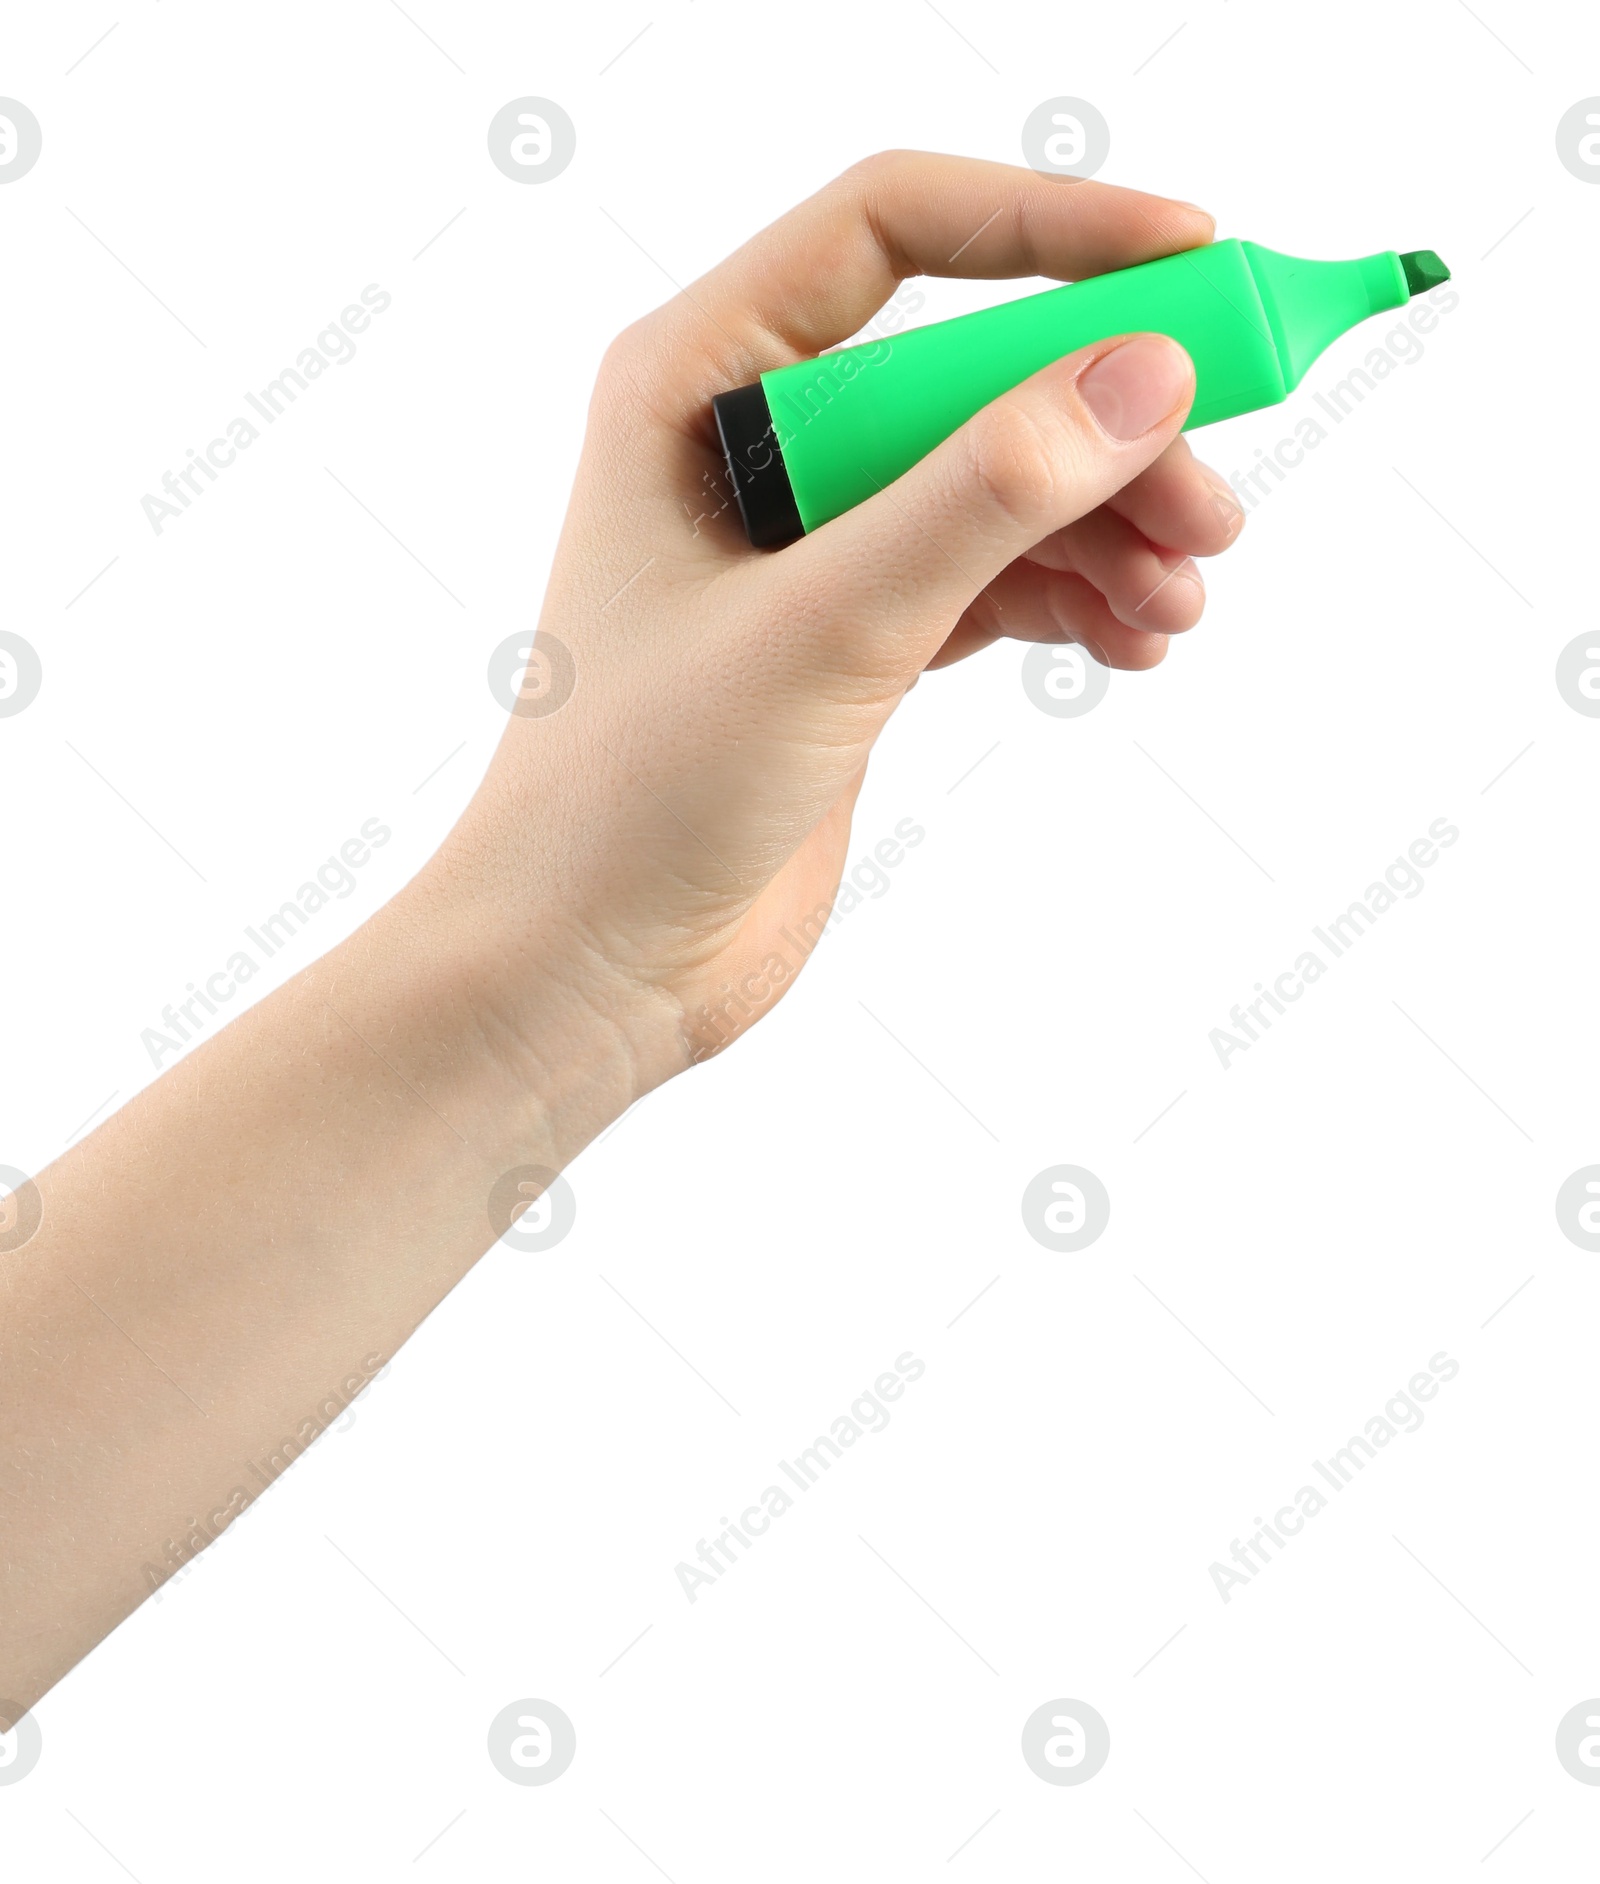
692 800
225 1260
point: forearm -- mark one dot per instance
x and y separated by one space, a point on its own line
231 1256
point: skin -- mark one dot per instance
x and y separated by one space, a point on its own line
224 1261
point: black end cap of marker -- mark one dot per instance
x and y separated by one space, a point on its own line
756 469
1423 270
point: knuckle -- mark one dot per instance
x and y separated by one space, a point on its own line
1017 462
625 354
874 170
625 366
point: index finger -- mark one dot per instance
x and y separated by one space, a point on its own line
819 273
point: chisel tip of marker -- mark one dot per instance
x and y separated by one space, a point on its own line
1423 270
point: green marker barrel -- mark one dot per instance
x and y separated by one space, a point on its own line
808 441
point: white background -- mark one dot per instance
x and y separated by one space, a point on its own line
1299 1233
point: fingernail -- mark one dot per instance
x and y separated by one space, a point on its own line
1194 206
1137 385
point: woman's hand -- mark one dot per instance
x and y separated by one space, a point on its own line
222 1263
690 802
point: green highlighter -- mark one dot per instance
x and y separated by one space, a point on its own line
808 441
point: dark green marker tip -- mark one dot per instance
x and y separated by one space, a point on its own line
1424 270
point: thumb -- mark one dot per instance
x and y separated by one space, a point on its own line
909 560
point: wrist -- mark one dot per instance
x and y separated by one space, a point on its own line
545 1041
